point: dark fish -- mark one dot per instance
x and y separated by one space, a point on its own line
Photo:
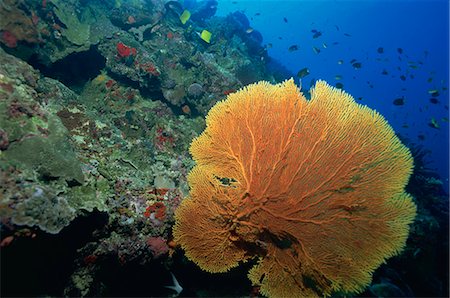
403 78
357 65
380 50
384 72
285 20
339 85
257 14
400 50
352 61
317 34
280 38
421 137
346 34
303 72
316 50
314 30
293 48
434 100
335 43
430 80
337 27
360 98
399 101
405 125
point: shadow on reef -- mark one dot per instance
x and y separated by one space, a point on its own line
42 264
72 70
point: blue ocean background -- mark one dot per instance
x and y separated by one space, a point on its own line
414 37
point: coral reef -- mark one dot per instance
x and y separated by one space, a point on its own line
99 103
301 195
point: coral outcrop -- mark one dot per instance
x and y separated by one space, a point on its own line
313 189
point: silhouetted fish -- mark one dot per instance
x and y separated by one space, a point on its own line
303 72
399 101
293 48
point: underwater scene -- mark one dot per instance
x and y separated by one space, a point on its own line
156 148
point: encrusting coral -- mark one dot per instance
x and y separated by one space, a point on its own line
314 189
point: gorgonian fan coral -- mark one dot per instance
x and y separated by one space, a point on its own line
313 189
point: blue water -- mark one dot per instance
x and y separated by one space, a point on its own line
419 28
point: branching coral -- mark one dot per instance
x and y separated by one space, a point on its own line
314 189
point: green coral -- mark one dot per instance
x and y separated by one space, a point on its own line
50 155
77 31
45 209
88 197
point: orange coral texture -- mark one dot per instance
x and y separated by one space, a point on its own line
313 188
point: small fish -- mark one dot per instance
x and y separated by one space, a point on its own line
403 78
293 48
444 119
433 123
285 20
335 43
357 65
340 62
405 125
176 285
317 34
380 50
400 50
269 45
421 137
352 61
257 14
324 45
249 30
413 66
360 98
205 35
316 50
434 100
303 72
280 38
384 72
434 93
346 34
338 77
339 85
185 16
337 27
430 80
399 101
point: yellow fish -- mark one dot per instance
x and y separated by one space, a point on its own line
185 16
206 36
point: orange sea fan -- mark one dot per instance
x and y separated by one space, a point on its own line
314 189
